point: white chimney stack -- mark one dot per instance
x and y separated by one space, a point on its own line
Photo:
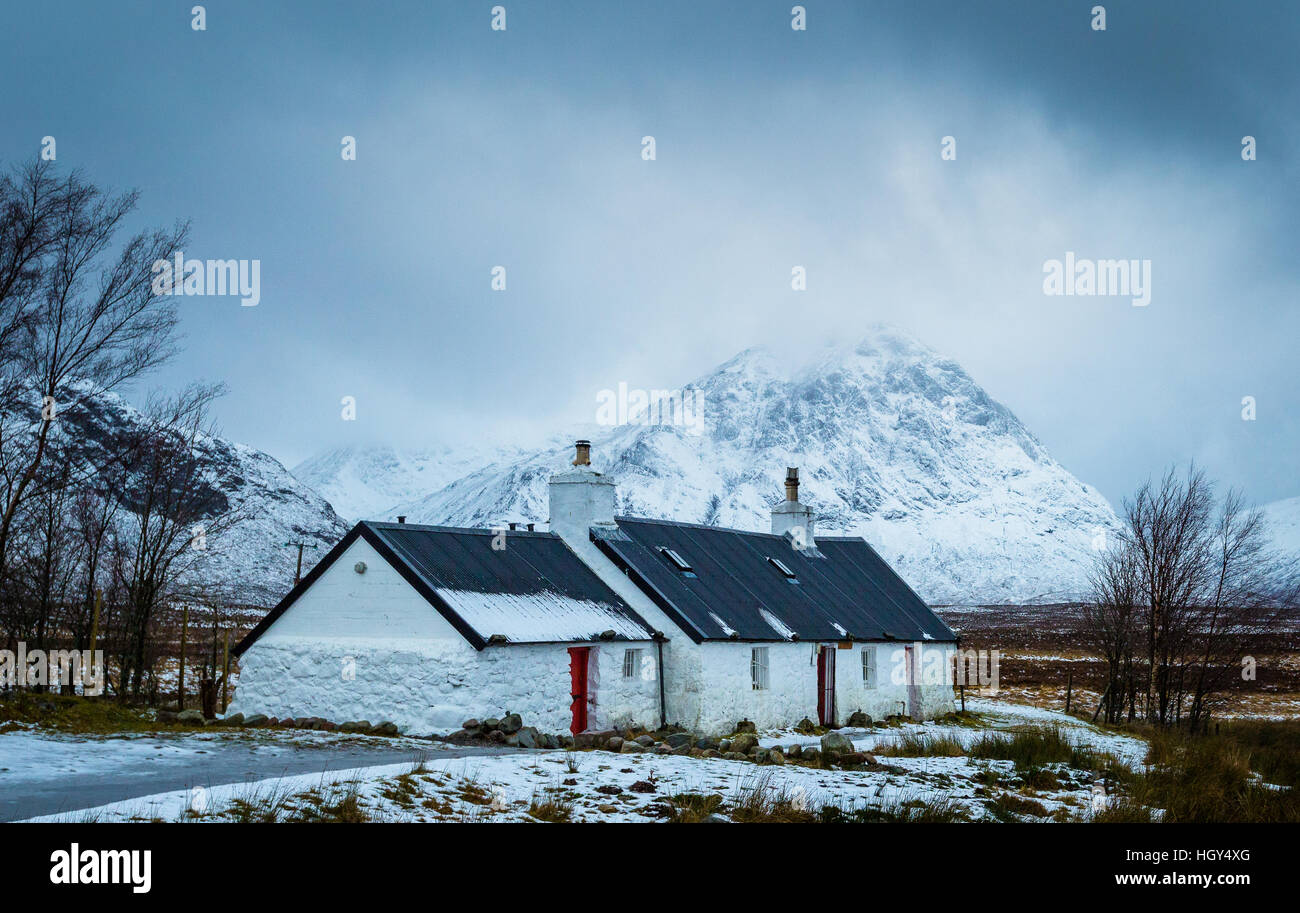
581 498
790 516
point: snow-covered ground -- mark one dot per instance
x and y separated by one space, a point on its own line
602 786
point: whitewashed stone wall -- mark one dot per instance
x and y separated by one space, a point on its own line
367 646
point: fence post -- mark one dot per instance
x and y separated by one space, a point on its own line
180 684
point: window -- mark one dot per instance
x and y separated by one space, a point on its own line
677 561
758 668
868 667
631 663
783 568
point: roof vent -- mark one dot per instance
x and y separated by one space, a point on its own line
583 453
530 527
783 568
401 518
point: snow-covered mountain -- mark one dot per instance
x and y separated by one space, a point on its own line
1283 520
248 562
894 442
364 483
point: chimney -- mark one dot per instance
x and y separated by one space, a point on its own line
401 518
581 498
583 457
789 516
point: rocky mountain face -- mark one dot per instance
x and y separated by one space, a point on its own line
894 442
249 562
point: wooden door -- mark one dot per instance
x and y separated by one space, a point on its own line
578 688
826 684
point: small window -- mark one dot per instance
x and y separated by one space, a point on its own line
677 561
784 569
868 667
758 668
631 663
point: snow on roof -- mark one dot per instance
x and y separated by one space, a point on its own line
778 626
539 617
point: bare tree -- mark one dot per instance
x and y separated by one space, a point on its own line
75 318
1176 600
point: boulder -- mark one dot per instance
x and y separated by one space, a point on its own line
511 722
548 740
711 753
527 737
706 743
805 726
191 718
759 755
746 726
234 719
631 747
774 756
491 723
387 727
614 743
794 751
812 755
743 742
645 741
254 720
724 745
565 739
497 737
684 750
859 720
593 739
471 725
853 757
678 739
166 716
735 756
835 743
663 748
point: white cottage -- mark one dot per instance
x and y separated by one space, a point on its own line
601 621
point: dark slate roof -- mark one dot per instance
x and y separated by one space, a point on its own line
733 592
535 590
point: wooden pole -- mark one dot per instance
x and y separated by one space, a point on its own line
180 686
225 676
1069 682
94 621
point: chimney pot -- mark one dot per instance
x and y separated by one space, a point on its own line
583 456
401 518
792 483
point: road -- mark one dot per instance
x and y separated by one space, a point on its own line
46 774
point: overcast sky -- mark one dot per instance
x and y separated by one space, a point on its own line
775 148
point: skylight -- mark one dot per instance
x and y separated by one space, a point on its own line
783 568
678 561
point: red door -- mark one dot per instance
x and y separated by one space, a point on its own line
826 685
578 687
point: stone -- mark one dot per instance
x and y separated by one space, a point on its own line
593 739
645 741
491 723
724 745
734 756
711 753
459 737
643 786
859 720
683 750
631 747
548 740
511 722
760 755
166 716
835 743
678 739
565 740
805 726
191 718
497 736
614 743
471 725
663 748
234 719
706 743
743 742
387 727
853 757
812 755
774 756
794 751
527 737
746 726
255 720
